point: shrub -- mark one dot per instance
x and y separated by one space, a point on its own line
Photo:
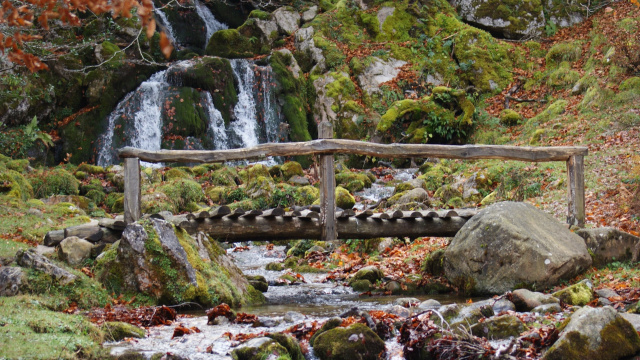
183 193
53 182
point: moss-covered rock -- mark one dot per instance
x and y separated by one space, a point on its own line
564 51
116 331
344 199
230 43
183 193
177 173
499 327
579 294
260 348
13 184
336 344
307 195
510 117
56 181
291 168
361 285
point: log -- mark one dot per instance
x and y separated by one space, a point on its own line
220 212
411 214
380 216
308 214
53 238
292 214
114 224
345 214
429 214
251 213
327 186
235 213
273 212
132 191
90 231
364 214
575 173
446 213
203 215
467 213
278 228
396 214
343 146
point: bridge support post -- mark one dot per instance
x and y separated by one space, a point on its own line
132 192
327 187
575 174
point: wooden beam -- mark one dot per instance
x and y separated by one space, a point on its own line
279 228
327 187
575 173
132 195
326 146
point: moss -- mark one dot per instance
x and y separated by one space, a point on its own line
361 285
344 199
229 43
19 165
290 169
632 84
224 177
53 182
271 348
216 193
183 193
116 331
96 196
564 51
436 176
259 14
296 116
91 169
176 173
291 344
307 195
433 263
396 27
335 344
274 266
510 117
550 113
13 184
563 77
536 136
578 294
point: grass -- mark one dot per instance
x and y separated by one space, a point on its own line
9 248
34 332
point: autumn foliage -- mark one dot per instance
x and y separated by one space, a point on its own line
22 17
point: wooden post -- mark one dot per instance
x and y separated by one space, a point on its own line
132 192
575 174
327 187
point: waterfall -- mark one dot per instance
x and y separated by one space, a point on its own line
167 26
217 130
244 127
268 109
143 106
210 21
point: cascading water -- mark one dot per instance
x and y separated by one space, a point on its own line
243 129
171 34
210 21
217 130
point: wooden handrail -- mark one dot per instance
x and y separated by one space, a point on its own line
327 147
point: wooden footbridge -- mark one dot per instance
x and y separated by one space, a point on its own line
326 223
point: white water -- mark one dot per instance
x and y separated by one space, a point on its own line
245 110
210 21
171 34
271 118
217 130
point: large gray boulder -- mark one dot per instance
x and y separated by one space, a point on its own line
609 244
595 333
11 278
288 21
74 250
31 259
509 245
379 72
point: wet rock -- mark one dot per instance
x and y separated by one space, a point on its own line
480 259
371 273
265 322
595 333
430 304
330 324
499 327
407 302
288 21
579 294
31 259
547 309
293 317
471 314
361 285
11 278
74 250
609 244
379 72
291 344
503 305
526 300
254 348
400 311
335 344
116 331
258 282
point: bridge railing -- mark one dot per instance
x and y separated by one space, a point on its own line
326 147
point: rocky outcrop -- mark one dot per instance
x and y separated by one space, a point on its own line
288 21
609 244
510 245
11 278
595 333
31 259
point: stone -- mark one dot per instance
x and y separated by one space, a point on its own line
400 311
393 286
633 319
499 327
503 305
288 21
74 250
418 195
609 244
293 63
430 304
406 302
509 245
11 278
526 300
547 309
80 201
471 314
252 348
293 317
31 259
579 294
116 331
595 333
526 21
371 273
298 180
310 14
258 282
334 344
361 285
171 244
383 14
266 28
379 72
606 293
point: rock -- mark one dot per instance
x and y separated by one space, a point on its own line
547 308
116 331
383 14
31 259
400 311
361 285
579 294
11 278
393 286
513 244
606 293
288 21
332 323
310 14
297 180
293 317
503 305
44 250
433 264
74 250
266 28
258 282
384 244
252 349
526 300
610 244
80 201
430 304
379 72
344 199
633 319
471 314
407 302
499 327
371 273
513 21
595 333
293 63
35 212
335 344
418 195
